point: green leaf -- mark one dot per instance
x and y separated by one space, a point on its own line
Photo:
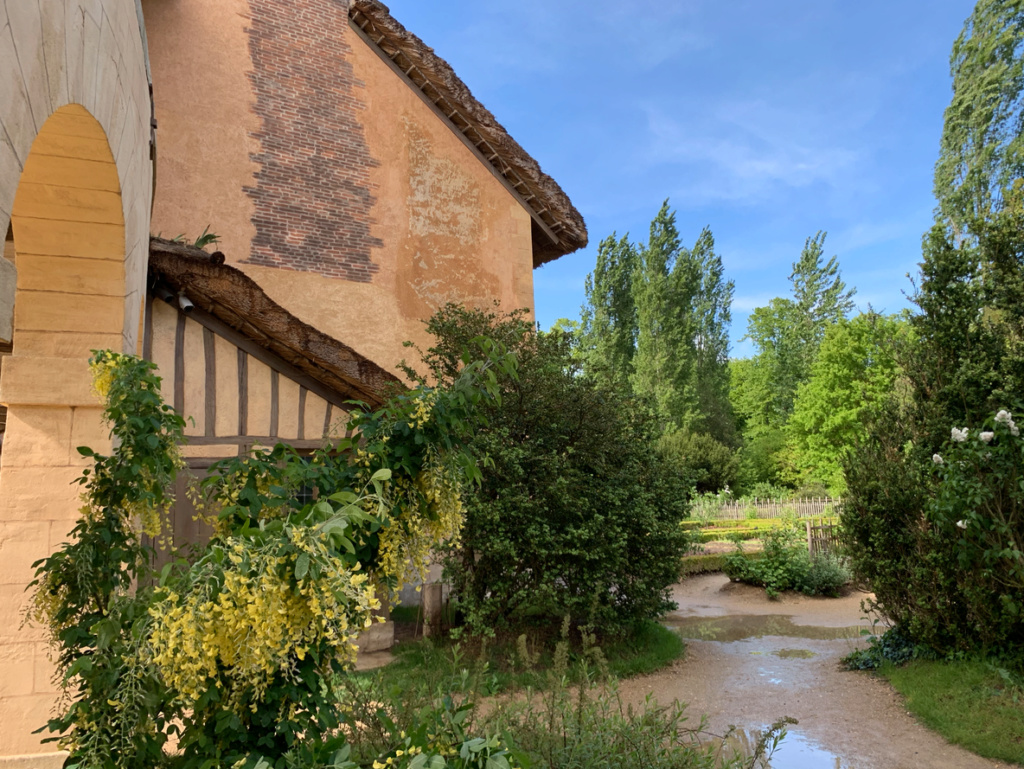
302 566
384 474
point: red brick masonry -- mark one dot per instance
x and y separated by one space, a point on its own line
313 196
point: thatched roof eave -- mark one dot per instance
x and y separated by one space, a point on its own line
235 299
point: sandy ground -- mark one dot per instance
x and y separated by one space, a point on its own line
751 661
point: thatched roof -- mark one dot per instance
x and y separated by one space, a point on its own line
232 297
442 87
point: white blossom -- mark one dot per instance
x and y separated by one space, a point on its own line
987 437
1004 416
961 524
1013 430
937 459
959 435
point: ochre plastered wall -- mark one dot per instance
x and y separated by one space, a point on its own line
441 226
75 184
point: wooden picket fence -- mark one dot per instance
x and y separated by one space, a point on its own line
809 507
822 537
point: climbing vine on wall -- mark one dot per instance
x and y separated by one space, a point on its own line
234 649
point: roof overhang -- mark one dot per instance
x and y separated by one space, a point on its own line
234 299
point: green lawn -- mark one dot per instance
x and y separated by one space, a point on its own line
649 648
968 703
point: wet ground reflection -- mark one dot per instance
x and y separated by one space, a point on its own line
740 627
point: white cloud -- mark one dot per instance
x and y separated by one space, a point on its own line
745 151
747 304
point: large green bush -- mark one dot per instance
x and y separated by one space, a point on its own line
710 465
950 588
575 513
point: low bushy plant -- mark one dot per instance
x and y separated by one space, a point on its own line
785 565
892 646
827 576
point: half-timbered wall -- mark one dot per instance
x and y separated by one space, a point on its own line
234 396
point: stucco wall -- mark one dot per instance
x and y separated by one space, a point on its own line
440 226
75 183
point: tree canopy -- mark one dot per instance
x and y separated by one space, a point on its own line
982 149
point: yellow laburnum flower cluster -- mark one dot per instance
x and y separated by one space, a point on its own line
427 513
423 410
103 370
241 627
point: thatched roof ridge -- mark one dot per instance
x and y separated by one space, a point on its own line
439 83
232 297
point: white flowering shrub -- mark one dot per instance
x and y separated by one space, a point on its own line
979 504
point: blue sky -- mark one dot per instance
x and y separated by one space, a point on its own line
766 121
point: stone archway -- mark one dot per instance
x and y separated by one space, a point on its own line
76 190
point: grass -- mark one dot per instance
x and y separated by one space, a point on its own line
968 703
649 648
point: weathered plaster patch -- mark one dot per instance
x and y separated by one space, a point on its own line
443 199
445 214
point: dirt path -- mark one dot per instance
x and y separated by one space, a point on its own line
750 661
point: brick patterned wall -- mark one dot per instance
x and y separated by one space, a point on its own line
312 195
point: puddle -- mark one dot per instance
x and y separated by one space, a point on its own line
740 627
794 654
794 752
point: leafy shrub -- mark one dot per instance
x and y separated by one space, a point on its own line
827 576
892 646
575 513
709 464
785 565
980 495
954 589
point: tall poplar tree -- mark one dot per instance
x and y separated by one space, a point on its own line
982 150
665 289
713 315
657 320
609 325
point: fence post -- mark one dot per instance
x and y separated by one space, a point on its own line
810 543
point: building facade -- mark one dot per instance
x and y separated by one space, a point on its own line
355 183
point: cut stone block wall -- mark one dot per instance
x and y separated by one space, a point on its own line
76 183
